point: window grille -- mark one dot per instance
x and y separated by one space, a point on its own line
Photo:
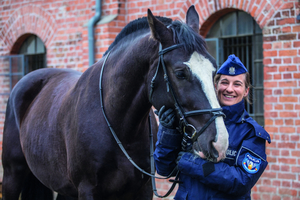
32 56
238 33
12 69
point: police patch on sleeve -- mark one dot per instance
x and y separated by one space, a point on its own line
251 164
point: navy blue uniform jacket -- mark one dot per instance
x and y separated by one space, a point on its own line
233 177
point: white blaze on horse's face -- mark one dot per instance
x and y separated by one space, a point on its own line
203 69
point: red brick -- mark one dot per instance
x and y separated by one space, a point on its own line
276 183
288 84
275 152
287 129
297 75
288 99
288 114
271 129
286 183
286 191
277 60
268 122
267 46
287 45
296 44
271 114
285 21
295 169
284 138
287 161
270 84
295 138
275 168
278 122
287 91
297 91
296 29
267 189
270 69
287 60
287 29
270 53
289 146
296 59
287 37
276 45
268 107
260 8
289 122
267 61
277 77
268 91
287 5
288 68
287 76
288 53
278 92
254 195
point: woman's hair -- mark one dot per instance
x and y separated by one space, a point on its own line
247 84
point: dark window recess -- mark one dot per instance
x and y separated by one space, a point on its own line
238 33
35 53
35 61
32 56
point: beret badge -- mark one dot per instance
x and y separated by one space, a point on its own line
231 71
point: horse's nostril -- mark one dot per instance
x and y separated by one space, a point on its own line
214 153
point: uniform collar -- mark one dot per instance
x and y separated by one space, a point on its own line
235 113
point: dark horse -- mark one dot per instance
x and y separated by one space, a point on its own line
56 133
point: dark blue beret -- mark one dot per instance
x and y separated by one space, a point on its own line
232 66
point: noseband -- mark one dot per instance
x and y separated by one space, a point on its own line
216 112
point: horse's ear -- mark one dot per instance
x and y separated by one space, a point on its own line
192 18
158 30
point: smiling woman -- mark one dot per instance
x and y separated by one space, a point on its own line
231 89
245 160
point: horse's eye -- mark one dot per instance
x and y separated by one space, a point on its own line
180 74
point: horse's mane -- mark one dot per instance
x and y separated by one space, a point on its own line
183 34
135 25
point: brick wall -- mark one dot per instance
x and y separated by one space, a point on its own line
62 25
282 104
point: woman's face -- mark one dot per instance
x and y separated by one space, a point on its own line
231 89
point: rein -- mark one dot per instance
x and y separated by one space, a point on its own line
116 137
152 175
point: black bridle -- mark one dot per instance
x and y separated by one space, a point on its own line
216 112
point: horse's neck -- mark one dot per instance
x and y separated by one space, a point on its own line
124 85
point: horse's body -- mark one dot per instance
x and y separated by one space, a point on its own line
55 129
61 155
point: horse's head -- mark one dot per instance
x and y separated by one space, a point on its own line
183 79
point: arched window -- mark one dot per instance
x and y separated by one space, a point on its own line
35 53
238 33
28 54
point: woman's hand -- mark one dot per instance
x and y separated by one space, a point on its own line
166 118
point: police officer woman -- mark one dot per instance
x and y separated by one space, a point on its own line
245 159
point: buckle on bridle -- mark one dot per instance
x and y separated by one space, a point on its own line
194 131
